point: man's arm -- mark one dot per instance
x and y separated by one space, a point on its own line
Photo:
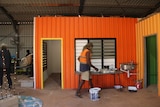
88 55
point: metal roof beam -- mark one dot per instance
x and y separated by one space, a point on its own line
10 17
153 9
120 7
81 6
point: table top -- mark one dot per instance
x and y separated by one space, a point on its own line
102 72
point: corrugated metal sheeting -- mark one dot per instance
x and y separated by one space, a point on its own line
6 36
148 27
69 28
26 10
26 39
25 35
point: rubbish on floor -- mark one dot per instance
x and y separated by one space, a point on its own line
132 88
94 93
118 86
139 84
29 101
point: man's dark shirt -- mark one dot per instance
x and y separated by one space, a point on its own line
7 57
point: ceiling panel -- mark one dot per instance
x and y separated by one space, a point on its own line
26 10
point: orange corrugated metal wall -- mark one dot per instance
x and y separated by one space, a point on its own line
148 27
69 28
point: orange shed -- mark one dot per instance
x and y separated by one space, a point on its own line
66 29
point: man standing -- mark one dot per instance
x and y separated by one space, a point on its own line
29 58
85 64
5 65
28 52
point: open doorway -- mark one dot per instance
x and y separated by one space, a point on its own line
151 73
52 64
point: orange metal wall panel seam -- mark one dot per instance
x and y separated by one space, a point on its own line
37 30
69 71
49 28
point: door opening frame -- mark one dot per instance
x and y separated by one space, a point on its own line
61 43
145 60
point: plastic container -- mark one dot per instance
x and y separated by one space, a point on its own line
29 101
94 93
118 86
139 84
132 88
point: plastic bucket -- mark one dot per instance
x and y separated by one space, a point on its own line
94 93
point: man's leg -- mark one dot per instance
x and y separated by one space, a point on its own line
90 83
90 80
79 88
1 77
9 78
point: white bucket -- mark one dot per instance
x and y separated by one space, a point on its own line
94 93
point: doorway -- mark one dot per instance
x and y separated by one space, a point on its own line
52 63
151 73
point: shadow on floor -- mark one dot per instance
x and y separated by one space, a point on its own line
53 81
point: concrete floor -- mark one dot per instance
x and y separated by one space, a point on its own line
53 96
